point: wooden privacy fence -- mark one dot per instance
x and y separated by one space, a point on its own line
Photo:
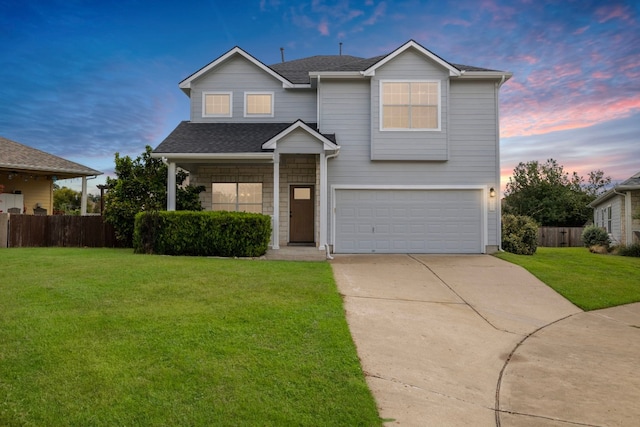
60 230
558 237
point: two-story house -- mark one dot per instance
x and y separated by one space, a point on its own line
393 154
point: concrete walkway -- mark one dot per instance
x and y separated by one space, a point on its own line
476 341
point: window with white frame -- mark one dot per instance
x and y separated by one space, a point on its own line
216 104
608 219
258 104
237 196
410 105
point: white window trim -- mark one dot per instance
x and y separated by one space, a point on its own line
246 94
380 106
204 97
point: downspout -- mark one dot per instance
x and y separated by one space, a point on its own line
326 183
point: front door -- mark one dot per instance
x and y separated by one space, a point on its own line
301 208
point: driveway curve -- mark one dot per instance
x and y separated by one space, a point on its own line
458 340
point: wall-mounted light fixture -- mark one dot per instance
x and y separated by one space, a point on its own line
492 192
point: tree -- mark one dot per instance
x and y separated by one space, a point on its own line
68 201
552 196
141 185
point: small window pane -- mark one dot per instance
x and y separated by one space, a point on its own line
224 193
396 93
217 104
396 117
259 104
302 193
424 117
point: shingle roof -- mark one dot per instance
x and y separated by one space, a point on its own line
634 180
297 71
16 156
191 137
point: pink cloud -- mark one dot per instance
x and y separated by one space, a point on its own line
455 21
535 119
601 75
580 30
323 28
609 12
378 13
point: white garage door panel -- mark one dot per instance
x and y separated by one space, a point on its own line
408 221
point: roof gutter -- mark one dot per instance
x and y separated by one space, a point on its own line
214 156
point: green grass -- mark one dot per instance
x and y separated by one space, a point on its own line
103 337
588 280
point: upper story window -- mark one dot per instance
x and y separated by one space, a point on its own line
258 104
410 105
216 104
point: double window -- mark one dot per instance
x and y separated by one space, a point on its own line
237 196
410 105
220 104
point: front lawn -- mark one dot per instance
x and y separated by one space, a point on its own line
104 337
590 281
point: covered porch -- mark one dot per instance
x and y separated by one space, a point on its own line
286 179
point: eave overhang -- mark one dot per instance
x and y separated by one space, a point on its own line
328 145
185 85
411 44
214 156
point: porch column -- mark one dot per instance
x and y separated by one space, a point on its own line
83 199
628 219
275 240
323 202
171 186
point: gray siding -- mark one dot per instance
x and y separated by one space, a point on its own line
409 145
299 142
473 151
238 75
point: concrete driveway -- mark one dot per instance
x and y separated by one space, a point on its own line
476 341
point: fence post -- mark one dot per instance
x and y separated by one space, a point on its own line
4 230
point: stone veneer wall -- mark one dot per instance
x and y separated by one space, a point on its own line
635 210
294 169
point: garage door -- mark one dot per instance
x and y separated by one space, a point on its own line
408 221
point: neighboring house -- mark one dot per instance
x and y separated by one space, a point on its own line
393 154
615 209
27 176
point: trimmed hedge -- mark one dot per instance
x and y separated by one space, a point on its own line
631 250
519 234
594 235
218 233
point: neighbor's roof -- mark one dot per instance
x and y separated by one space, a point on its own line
203 138
631 184
19 157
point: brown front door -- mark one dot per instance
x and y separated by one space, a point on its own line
301 214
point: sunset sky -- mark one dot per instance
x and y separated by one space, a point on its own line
85 79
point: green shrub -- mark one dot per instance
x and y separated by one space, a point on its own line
519 234
595 236
631 250
227 234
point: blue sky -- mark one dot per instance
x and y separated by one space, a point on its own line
84 79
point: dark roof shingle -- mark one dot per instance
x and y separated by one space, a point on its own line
204 138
